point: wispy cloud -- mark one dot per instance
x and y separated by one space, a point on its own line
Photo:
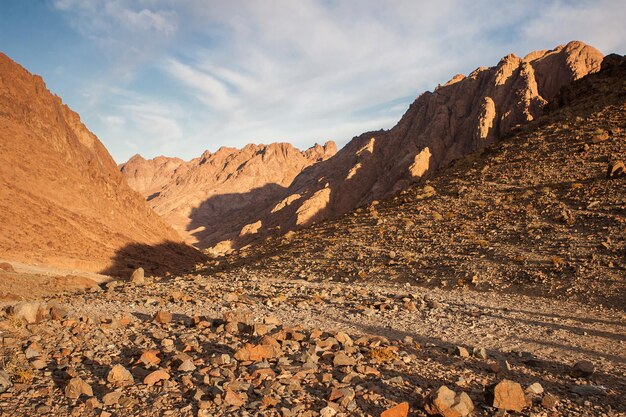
308 70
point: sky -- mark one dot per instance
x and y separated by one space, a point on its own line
177 77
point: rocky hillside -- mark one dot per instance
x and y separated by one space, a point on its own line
465 114
219 196
63 202
543 212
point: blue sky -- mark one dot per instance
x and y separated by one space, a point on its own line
176 77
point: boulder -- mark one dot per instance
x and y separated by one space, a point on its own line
447 403
506 395
138 277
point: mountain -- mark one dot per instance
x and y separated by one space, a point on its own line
63 201
218 196
466 114
541 213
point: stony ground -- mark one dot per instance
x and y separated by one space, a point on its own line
245 344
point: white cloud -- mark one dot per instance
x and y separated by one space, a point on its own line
310 70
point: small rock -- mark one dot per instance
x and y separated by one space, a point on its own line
156 376
138 277
5 381
535 389
111 398
462 352
259 352
588 390
481 353
616 169
57 312
30 312
7 267
77 387
34 350
506 395
163 317
550 401
38 364
341 359
187 366
328 412
149 357
93 403
118 375
600 137
400 410
232 398
447 403
582 369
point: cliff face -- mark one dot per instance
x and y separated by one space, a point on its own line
219 196
464 115
63 201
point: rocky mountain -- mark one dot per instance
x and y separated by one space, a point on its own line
219 196
63 201
466 114
497 289
540 213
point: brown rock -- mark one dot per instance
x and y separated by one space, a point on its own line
447 403
156 376
149 357
400 410
138 277
550 401
462 352
57 312
163 317
582 369
616 169
341 359
7 267
118 375
256 353
77 387
111 398
30 312
506 395
600 137
232 398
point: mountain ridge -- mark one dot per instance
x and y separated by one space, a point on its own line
179 190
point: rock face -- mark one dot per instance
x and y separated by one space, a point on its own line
63 201
462 116
220 196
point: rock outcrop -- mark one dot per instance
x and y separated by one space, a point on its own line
462 116
220 196
63 201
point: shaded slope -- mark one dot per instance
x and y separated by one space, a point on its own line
535 213
63 201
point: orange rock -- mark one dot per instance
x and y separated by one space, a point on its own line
163 317
259 352
232 398
400 410
149 357
507 395
156 376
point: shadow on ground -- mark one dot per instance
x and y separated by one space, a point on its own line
172 257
